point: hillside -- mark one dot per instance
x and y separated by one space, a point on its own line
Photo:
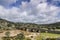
4 23
51 28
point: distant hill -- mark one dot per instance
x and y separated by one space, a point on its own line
8 24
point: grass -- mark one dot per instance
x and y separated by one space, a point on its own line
50 35
47 35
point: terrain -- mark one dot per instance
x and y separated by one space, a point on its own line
38 31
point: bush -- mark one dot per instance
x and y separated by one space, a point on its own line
20 37
28 39
51 39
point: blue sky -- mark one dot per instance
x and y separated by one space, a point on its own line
19 2
30 11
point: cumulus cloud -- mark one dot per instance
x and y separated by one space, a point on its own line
35 11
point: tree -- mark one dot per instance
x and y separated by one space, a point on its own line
0 27
7 34
7 37
9 25
20 37
49 28
54 28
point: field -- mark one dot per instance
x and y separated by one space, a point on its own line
47 35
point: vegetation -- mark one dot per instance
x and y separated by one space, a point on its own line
4 24
46 30
7 34
47 35
20 37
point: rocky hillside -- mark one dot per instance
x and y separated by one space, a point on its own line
4 24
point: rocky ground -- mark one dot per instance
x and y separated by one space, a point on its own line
30 35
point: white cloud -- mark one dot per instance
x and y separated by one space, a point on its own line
34 12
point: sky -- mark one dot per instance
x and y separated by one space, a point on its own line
30 11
